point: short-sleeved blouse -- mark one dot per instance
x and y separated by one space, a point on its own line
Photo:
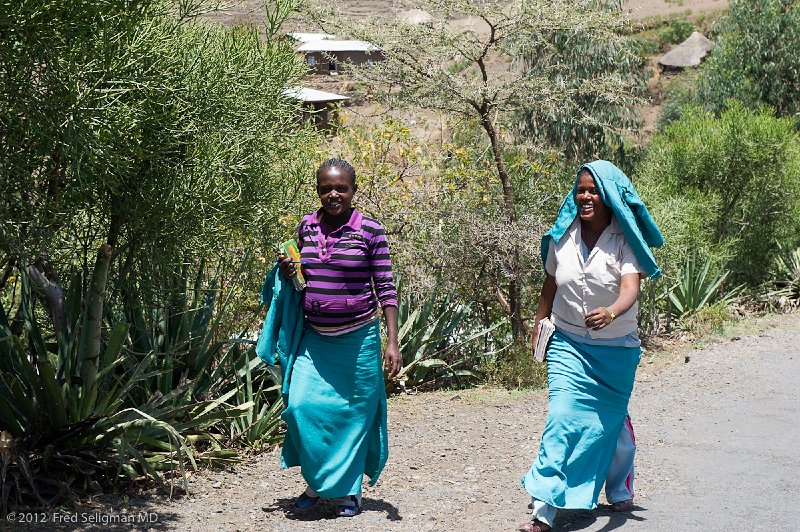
584 285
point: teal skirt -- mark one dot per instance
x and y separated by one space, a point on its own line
589 387
336 412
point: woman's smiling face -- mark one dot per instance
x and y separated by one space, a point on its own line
335 189
590 205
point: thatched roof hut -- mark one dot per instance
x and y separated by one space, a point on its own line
689 53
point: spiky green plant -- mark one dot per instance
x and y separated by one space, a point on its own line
697 288
258 386
786 276
75 410
432 338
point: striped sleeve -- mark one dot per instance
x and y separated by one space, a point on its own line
380 263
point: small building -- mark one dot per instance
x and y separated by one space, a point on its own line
329 56
690 53
319 107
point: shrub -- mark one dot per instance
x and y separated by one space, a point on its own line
85 408
516 369
725 187
676 32
709 319
143 127
167 142
755 60
438 345
785 277
696 289
678 94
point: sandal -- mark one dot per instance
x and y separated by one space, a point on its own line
533 526
347 510
305 502
622 506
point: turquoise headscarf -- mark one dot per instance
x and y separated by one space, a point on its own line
617 192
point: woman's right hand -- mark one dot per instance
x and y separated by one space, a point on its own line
286 266
535 335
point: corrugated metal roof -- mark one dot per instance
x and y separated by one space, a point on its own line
337 46
313 95
310 37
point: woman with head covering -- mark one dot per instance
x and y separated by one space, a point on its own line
594 256
336 407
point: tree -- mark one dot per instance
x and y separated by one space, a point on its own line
755 60
137 125
573 58
722 187
140 149
470 63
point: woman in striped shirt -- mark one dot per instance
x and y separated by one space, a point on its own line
336 414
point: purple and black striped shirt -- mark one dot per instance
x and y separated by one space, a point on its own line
342 269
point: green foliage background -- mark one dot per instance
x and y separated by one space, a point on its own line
147 159
128 123
755 60
724 187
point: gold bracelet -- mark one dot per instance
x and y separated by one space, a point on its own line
610 313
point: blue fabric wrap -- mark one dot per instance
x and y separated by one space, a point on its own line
336 416
618 193
283 326
589 387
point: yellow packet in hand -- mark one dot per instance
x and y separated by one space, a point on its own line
290 249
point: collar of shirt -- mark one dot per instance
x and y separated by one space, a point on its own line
354 223
608 233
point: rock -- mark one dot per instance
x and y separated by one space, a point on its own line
689 53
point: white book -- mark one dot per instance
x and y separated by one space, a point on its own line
546 329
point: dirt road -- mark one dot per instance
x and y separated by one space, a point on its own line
718 449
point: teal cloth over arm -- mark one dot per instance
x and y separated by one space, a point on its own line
283 326
618 193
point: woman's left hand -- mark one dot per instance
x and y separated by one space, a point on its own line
598 318
392 361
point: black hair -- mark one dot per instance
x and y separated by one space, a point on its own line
342 165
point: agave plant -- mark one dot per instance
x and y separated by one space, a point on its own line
786 276
696 288
258 386
181 329
430 332
85 407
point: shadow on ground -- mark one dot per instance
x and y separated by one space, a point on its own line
326 509
587 519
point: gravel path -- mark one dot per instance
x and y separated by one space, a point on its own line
717 442
717 429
